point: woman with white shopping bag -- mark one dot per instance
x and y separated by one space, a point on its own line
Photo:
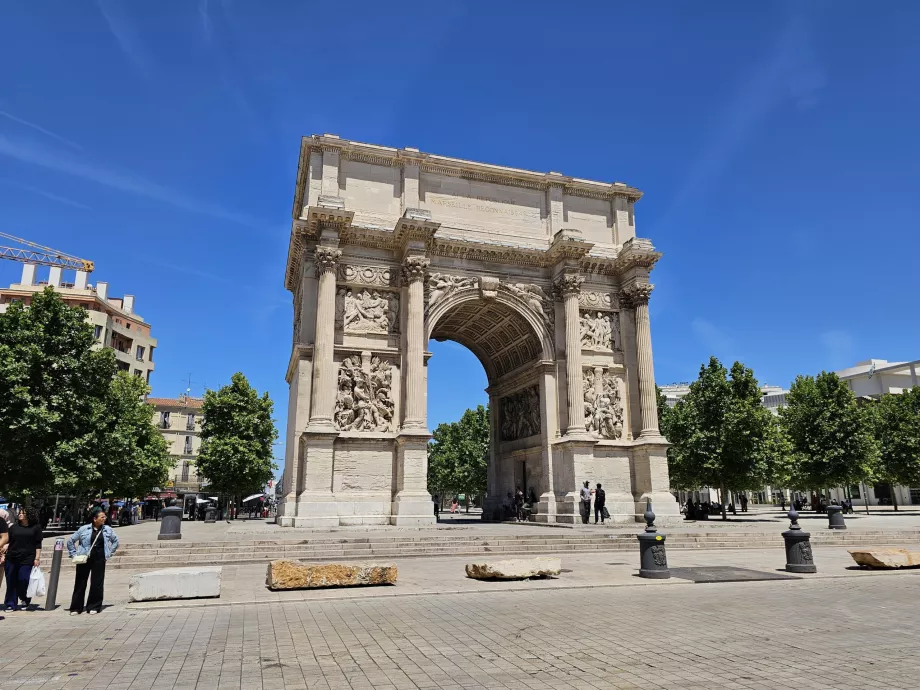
90 547
23 553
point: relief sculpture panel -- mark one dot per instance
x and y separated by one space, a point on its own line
520 414
367 311
441 284
600 330
603 404
535 297
364 401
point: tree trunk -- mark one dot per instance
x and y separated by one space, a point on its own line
894 498
722 501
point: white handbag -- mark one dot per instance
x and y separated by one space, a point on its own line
82 558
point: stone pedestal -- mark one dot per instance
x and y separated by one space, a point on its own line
316 505
412 505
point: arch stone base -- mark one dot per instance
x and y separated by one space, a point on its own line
540 275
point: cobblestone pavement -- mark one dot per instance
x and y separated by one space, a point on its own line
859 632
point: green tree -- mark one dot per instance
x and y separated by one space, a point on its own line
664 412
53 386
132 456
830 438
721 435
458 456
237 436
895 424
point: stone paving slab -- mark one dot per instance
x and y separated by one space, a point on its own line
845 633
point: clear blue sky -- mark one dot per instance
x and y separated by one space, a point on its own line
776 142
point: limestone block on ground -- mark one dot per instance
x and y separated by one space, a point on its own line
175 583
294 575
886 558
514 569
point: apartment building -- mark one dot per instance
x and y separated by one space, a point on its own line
115 323
179 420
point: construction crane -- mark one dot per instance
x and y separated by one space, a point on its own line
44 256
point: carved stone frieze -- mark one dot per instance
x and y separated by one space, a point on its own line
364 401
592 299
600 330
326 259
378 276
603 404
441 285
367 311
520 414
636 294
535 297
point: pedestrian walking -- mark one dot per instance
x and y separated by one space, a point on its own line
600 500
744 502
97 542
436 499
585 503
23 553
782 502
4 537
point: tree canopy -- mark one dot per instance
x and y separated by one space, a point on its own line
721 435
237 436
830 438
458 456
895 424
53 389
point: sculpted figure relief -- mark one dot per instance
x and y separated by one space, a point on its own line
600 330
441 284
364 401
535 297
370 311
520 414
603 405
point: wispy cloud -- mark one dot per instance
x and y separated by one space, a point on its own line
39 128
714 339
790 73
126 35
46 194
840 348
125 181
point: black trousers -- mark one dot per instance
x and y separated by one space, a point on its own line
598 511
585 511
97 570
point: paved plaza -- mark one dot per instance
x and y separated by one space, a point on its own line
597 626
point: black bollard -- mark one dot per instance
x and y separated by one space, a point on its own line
170 522
653 559
835 518
799 558
51 594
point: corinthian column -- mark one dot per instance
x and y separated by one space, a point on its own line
323 401
638 295
414 272
569 286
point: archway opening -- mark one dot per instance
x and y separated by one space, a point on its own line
507 349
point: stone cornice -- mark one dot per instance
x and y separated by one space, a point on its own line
330 212
454 167
636 252
568 244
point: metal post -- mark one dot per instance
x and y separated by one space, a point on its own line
799 558
51 595
653 559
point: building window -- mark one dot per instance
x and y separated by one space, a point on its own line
97 332
164 420
152 348
185 467
190 424
123 366
139 354
128 326
188 445
138 372
854 491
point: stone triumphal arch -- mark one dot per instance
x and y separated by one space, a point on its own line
540 275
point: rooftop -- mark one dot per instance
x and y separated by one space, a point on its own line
182 401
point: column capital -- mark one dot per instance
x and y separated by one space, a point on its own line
326 259
414 268
636 294
568 284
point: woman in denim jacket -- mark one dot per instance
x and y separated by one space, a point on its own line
97 541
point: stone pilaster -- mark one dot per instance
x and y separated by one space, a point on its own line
321 408
414 268
569 286
637 295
